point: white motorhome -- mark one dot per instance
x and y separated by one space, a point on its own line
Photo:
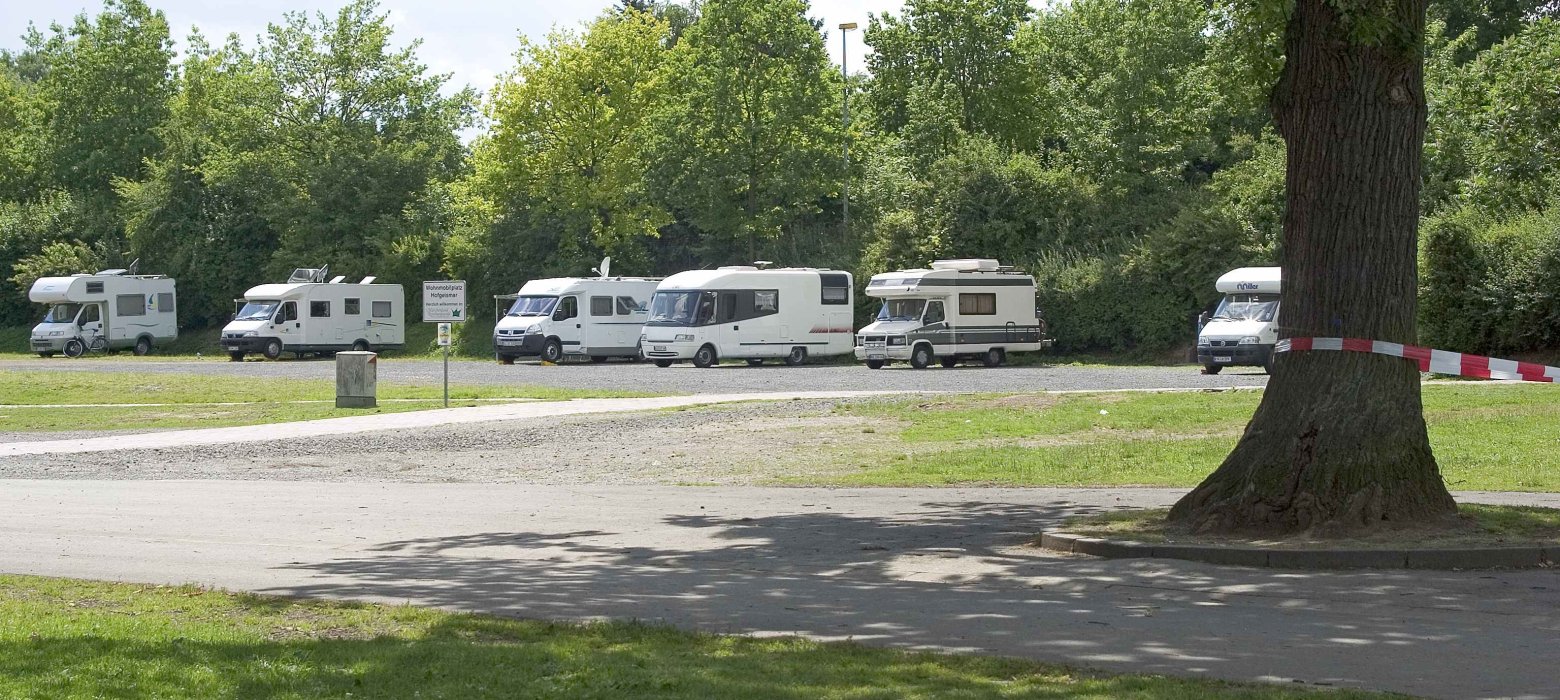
744 312
1244 328
595 317
110 310
309 315
956 310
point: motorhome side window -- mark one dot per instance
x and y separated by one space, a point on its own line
728 307
934 313
94 287
381 309
319 309
130 305
978 304
768 302
289 312
165 302
91 315
352 307
568 307
836 288
601 306
627 306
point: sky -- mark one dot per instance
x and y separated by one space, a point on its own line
473 40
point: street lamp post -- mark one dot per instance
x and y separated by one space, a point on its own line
845 117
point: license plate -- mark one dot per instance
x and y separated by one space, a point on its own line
876 356
1223 359
658 348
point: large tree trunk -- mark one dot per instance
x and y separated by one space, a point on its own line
1339 443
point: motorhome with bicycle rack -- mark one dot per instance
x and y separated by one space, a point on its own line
310 315
595 317
956 310
749 313
1244 327
110 310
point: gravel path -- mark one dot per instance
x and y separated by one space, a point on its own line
691 380
726 444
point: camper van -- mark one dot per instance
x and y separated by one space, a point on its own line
110 310
1244 327
310 315
598 317
749 313
956 310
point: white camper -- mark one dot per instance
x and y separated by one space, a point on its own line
110 310
595 317
1244 328
956 310
744 312
310 315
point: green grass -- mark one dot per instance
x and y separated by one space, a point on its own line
263 399
420 342
1476 525
75 639
1485 437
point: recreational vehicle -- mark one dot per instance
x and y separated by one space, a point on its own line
957 310
110 310
748 313
309 315
596 317
1244 328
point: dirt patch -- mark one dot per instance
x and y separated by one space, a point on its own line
1476 525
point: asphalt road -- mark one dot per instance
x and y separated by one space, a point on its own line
923 568
684 378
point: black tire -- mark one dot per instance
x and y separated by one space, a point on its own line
875 364
143 346
1212 369
755 361
921 357
506 359
46 354
360 346
797 357
552 351
705 357
235 356
949 362
598 359
273 349
75 348
1268 366
994 357
663 363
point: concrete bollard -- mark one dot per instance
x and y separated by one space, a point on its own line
357 379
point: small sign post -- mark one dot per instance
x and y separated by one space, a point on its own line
444 302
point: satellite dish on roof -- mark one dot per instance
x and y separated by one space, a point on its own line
605 270
761 264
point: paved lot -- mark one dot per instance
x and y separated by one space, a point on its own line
925 568
689 379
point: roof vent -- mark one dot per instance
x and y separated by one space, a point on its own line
368 280
737 268
967 265
337 279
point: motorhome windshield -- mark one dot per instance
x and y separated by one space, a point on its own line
901 310
257 311
62 313
533 306
1247 307
681 309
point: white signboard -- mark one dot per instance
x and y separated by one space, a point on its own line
444 301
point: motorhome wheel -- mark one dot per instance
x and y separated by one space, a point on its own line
74 348
705 357
273 349
921 357
949 362
360 346
45 354
143 346
798 356
553 351
994 357
1212 369
874 364
598 359
235 357
663 363
506 359
1268 366
755 361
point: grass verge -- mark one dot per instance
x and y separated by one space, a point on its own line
1498 438
32 401
77 639
1476 525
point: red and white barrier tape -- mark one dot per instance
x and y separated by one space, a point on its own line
1438 361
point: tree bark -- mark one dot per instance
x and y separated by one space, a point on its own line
1338 443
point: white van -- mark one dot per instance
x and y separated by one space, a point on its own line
956 310
744 312
597 317
110 310
1244 328
310 315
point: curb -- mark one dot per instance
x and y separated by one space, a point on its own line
1446 559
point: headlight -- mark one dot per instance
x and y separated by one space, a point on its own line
861 340
896 340
683 338
1250 340
532 330
251 334
1203 342
55 334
